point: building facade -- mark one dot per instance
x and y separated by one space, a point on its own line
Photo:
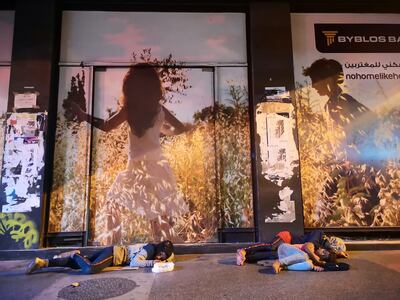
227 121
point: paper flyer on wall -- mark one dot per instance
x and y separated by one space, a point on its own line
23 162
275 122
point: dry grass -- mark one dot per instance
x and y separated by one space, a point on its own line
338 193
211 163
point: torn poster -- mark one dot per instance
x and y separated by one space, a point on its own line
276 94
286 205
23 162
278 152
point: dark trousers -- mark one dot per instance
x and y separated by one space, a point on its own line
89 265
263 251
317 237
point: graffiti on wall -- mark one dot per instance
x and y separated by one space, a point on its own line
17 231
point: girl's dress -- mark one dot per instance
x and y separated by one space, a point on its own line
148 186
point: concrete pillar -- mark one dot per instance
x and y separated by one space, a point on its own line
34 68
272 66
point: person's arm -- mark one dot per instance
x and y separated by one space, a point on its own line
104 125
140 260
342 254
318 269
309 248
174 122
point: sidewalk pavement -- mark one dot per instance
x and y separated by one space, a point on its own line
199 248
373 275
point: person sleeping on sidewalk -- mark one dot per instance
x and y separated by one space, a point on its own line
306 258
262 251
137 255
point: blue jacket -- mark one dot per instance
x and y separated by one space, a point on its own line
142 255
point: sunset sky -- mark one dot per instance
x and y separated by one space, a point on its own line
190 37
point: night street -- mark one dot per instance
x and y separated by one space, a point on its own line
152 149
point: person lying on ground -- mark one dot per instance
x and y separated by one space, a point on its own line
137 255
262 251
306 258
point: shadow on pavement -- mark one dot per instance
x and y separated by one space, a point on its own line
228 261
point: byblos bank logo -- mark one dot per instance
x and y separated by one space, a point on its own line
357 38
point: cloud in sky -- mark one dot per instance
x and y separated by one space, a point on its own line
216 19
189 37
129 38
220 46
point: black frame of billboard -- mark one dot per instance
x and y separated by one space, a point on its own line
343 6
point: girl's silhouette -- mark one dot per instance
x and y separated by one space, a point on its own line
147 186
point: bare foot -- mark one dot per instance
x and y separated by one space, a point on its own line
240 257
276 266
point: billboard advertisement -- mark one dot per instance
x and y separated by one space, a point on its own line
347 74
176 166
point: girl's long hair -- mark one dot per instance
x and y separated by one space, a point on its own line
142 92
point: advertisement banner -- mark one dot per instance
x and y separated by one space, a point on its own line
178 165
347 73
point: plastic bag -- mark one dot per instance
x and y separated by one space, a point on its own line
161 267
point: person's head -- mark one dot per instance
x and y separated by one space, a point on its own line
337 245
164 250
325 74
326 255
141 95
